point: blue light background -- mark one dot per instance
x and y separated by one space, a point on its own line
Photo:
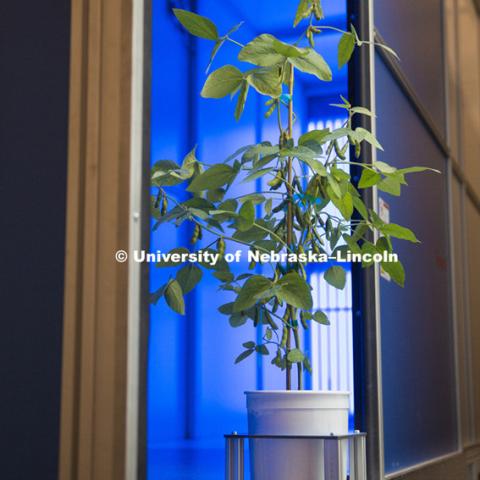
195 392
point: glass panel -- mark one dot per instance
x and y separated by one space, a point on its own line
469 90
417 356
464 370
473 241
420 50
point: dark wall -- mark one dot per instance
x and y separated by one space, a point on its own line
34 59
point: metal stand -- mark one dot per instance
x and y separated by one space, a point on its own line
335 450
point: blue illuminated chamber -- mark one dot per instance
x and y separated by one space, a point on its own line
195 392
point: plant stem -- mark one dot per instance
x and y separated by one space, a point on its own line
289 219
234 42
299 364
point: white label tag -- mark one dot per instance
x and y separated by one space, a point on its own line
384 214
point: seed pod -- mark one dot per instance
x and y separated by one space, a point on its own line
308 237
303 320
338 151
299 216
311 41
276 182
358 149
330 148
197 232
221 246
163 211
269 112
275 305
280 207
283 342
270 320
317 10
157 199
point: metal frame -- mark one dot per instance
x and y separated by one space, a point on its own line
365 282
334 449
138 311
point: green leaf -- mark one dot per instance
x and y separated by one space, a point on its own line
266 81
189 161
244 355
316 165
417 169
314 64
268 206
237 320
226 308
390 185
384 167
295 291
224 276
363 134
336 277
222 82
249 345
334 186
188 277
352 244
168 173
346 47
261 349
248 296
257 174
256 198
396 272
303 11
362 111
214 177
345 205
369 178
174 297
397 231
246 216
295 356
213 54
320 317
360 207
288 50
196 24
261 51
338 133
314 139
369 248
242 98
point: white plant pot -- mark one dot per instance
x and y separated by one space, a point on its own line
277 412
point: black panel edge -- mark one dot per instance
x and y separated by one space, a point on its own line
365 333
145 244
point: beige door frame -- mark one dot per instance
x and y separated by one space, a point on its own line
101 383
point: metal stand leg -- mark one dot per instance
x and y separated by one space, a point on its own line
234 459
358 467
331 455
